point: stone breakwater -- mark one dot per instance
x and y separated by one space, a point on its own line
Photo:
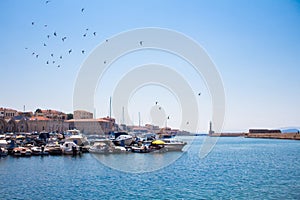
287 136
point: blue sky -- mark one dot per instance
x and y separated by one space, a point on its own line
255 45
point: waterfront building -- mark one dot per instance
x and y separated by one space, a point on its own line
101 126
51 114
7 113
82 114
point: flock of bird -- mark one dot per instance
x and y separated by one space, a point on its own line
56 59
187 123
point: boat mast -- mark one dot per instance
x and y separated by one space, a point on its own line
110 108
139 119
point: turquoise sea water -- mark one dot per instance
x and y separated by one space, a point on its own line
237 168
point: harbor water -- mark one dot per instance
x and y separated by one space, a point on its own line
236 168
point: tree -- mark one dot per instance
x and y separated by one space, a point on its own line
38 111
69 116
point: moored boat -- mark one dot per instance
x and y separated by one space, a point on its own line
70 148
21 151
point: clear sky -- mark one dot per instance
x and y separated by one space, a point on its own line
255 46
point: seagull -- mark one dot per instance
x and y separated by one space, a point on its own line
106 40
84 35
45 25
70 51
47 62
51 54
53 61
141 43
58 65
32 53
45 45
60 57
54 34
86 29
32 23
187 123
94 33
104 62
82 9
199 94
48 36
82 51
156 102
26 47
37 55
47 1
63 39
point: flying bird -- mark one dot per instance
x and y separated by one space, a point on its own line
47 62
51 54
45 45
82 51
37 55
45 25
60 57
82 9
26 47
58 65
141 43
199 94
94 33
84 35
32 53
70 51
187 123
54 34
156 102
48 36
86 29
32 23
104 62
63 39
106 40
53 61
47 1
159 108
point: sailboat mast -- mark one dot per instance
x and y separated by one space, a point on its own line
110 108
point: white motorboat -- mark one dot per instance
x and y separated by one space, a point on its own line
106 146
172 144
124 140
3 152
101 148
39 151
70 148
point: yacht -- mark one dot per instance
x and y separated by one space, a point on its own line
171 143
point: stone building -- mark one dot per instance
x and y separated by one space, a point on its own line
82 114
93 126
7 113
